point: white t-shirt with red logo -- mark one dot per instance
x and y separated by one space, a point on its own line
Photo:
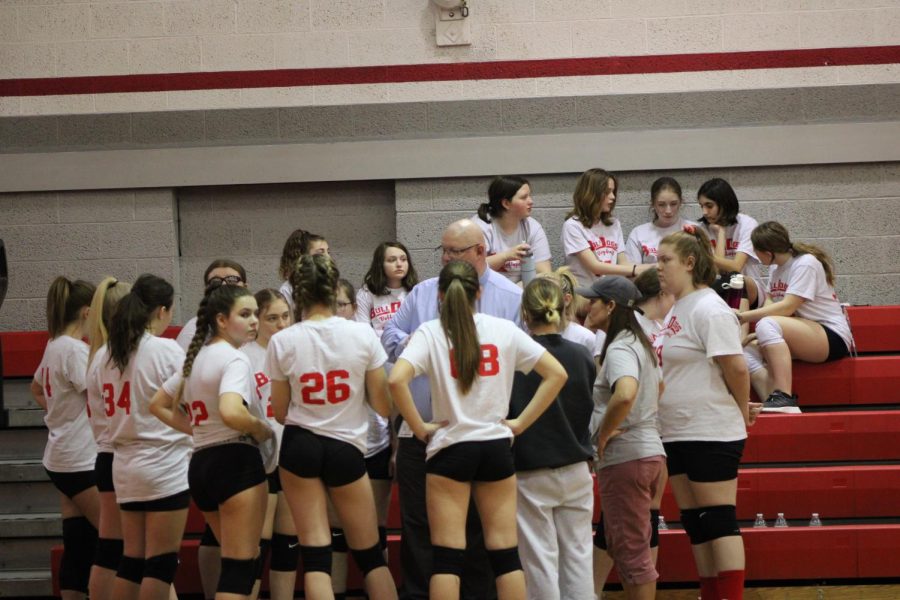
378 310
605 241
263 396
737 239
326 363
696 404
529 231
804 276
643 241
96 405
478 415
70 444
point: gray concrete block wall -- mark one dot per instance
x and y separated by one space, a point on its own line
85 235
853 211
251 223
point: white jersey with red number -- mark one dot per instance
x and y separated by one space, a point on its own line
218 369
605 241
70 444
326 362
151 458
643 241
262 384
529 231
477 415
96 406
378 310
737 239
804 276
696 404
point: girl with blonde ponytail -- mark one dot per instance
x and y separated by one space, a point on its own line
802 319
555 488
471 359
109 544
325 372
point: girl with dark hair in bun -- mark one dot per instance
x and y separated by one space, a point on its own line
325 372
150 465
471 359
59 388
510 232
213 398
704 410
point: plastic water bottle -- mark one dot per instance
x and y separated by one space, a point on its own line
526 266
780 521
815 521
662 524
760 521
735 290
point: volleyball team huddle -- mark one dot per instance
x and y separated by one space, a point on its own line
493 401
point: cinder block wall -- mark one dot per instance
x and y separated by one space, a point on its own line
86 235
852 211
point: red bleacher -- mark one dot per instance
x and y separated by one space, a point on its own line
844 435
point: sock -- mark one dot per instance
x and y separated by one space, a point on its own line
709 588
731 585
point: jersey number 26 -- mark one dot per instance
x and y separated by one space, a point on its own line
313 383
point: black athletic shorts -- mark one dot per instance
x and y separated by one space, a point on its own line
103 472
837 347
219 472
474 461
72 484
178 501
307 454
704 461
378 466
274 480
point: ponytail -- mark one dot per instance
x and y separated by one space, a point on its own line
799 248
773 237
503 187
65 299
314 281
622 319
106 298
542 302
459 284
133 315
691 242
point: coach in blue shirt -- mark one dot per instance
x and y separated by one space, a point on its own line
462 240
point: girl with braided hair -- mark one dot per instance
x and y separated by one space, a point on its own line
150 468
213 399
59 388
471 359
325 370
109 544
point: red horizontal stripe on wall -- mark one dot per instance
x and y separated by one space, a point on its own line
562 67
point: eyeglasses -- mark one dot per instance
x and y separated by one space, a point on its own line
228 279
343 304
453 252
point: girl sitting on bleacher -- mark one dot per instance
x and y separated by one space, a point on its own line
802 318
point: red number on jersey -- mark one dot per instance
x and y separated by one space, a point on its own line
488 366
270 412
109 395
659 355
335 391
45 374
261 380
198 412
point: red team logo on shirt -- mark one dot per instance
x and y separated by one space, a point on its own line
778 290
387 310
731 246
648 250
487 367
604 249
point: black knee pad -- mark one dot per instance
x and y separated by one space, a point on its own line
600 534
79 548
209 538
131 569
369 559
338 540
504 561
109 553
285 552
690 520
448 561
382 537
264 547
316 558
654 527
238 576
718 522
162 567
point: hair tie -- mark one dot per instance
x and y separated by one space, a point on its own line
689 228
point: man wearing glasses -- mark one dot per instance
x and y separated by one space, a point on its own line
462 240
